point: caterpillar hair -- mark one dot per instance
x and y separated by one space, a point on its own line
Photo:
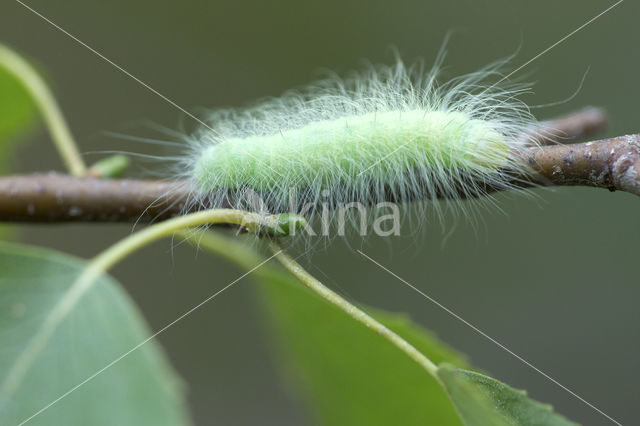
391 133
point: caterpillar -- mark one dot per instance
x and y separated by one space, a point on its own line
390 133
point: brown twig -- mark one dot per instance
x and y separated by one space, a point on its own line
53 197
611 163
586 122
50 197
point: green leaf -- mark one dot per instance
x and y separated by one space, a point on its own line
483 401
140 389
349 375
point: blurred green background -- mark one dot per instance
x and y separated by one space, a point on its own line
553 277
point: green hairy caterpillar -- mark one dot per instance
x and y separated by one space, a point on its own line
391 133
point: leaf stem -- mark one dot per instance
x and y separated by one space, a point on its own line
353 311
244 257
102 263
46 103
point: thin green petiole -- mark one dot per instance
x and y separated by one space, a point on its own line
244 257
46 103
353 311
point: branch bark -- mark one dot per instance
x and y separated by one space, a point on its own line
610 163
54 197
50 197
588 121
613 164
